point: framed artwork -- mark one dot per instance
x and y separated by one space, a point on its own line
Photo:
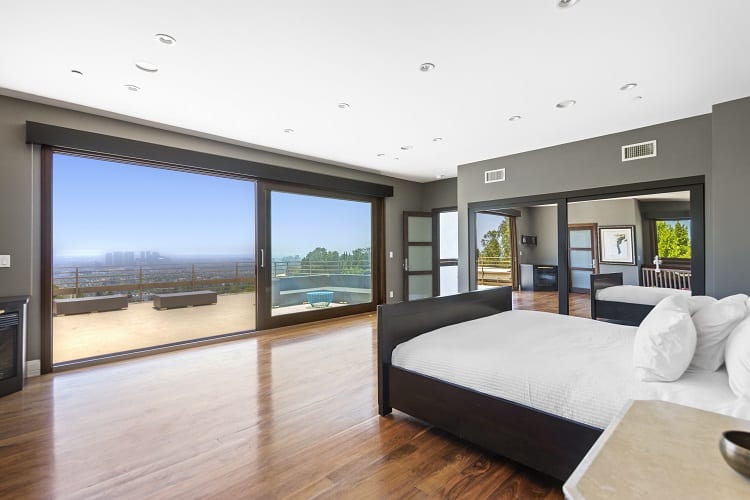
617 245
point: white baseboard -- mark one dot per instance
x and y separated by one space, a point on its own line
33 368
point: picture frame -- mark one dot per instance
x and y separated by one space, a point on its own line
617 245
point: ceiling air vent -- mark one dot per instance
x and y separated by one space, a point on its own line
494 175
639 151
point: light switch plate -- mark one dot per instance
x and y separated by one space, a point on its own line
4 260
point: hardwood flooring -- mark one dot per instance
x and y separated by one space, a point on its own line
579 304
288 414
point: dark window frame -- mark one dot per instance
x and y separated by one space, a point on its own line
671 262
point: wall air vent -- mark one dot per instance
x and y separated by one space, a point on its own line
494 175
639 151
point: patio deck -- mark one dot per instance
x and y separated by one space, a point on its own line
140 325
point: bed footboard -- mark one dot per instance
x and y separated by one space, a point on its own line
600 281
398 323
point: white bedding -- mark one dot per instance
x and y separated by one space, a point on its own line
637 294
575 368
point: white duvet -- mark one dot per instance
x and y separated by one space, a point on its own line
637 294
575 368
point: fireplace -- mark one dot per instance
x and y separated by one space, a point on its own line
12 329
537 278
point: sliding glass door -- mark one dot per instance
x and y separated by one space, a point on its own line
317 255
146 257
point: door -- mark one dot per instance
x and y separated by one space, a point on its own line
583 256
446 250
418 254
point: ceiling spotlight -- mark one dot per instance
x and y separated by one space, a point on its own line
343 105
406 148
395 157
566 3
638 98
629 86
76 72
146 66
381 154
132 88
565 104
439 176
425 67
166 39
514 118
437 139
288 130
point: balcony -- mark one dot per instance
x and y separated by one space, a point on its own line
81 336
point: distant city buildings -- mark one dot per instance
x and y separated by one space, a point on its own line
130 259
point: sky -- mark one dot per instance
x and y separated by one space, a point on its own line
102 206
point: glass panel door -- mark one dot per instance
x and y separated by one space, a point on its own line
448 248
418 252
583 257
320 255
146 256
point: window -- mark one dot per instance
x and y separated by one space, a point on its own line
672 239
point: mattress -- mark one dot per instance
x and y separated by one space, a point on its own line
575 368
637 294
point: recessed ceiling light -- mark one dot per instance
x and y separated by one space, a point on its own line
514 118
565 104
406 148
629 86
132 88
395 157
146 66
166 39
381 154
288 130
76 72
437 139
424 67
439 176
566 3
343 105
638 98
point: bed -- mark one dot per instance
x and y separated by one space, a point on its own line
624 304
456 362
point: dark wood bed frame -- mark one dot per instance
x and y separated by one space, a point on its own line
542 441
623 313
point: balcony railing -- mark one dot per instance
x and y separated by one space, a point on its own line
139 282
494 271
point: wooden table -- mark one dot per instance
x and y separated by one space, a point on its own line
655 449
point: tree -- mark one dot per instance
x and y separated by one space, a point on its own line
672 240
496 242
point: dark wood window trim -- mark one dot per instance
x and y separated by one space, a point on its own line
46 203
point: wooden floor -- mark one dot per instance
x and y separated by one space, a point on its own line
579 304
289 414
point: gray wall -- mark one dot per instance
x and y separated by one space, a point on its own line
728 269
19 191
542 223
612 213
440 194
684 149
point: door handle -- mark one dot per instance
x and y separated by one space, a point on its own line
406 264
262 258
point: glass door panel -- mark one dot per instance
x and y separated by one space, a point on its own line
420 286
418 255
144 257
320 253
582 249
448 252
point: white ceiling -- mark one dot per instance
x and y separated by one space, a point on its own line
247 70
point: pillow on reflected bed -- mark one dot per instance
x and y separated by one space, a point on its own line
713 324
665 341
738 359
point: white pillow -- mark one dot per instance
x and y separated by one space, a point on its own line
698 302
665 341
738 359
713 324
